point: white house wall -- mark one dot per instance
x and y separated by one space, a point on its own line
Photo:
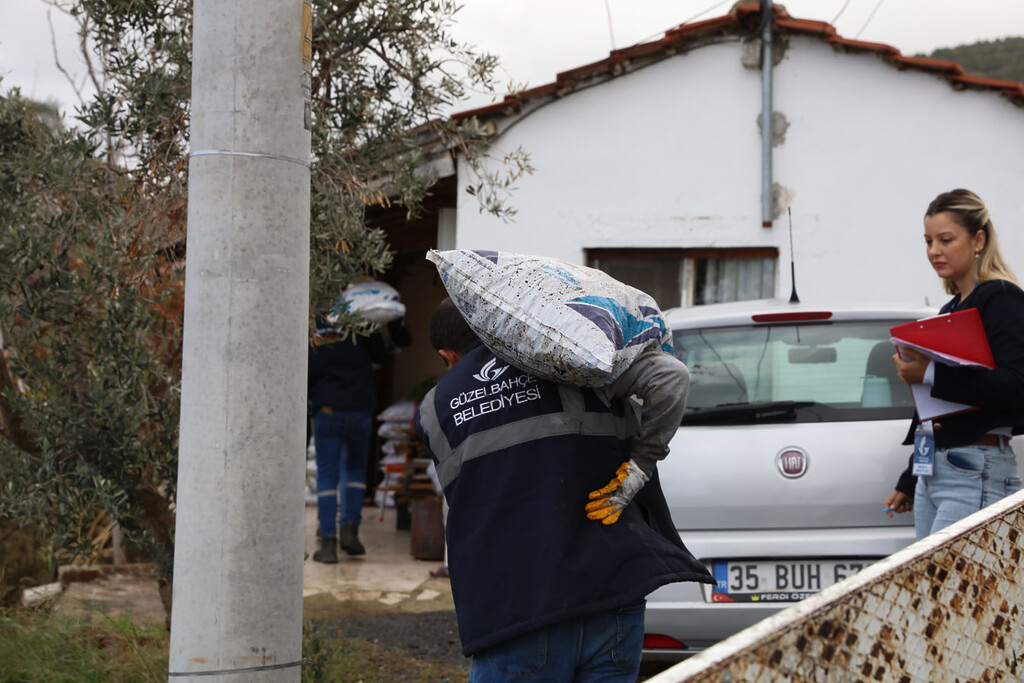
670 156
652 159
868 147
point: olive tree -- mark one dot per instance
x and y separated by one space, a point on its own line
93 219
90 330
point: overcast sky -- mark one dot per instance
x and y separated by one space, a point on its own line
536 39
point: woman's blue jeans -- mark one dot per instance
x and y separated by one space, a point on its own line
600 647
966 479
342 442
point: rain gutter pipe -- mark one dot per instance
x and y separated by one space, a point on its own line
767 130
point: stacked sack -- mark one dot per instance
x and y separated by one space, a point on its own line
398 445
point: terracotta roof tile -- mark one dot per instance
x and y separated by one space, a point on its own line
936 65
735 23
1009 88
825 29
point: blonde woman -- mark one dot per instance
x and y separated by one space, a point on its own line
964 460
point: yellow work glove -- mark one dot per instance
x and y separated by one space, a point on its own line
607 503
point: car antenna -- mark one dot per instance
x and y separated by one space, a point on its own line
793 298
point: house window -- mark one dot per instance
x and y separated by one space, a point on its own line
691 277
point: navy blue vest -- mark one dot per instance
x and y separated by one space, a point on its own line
517 457
340 375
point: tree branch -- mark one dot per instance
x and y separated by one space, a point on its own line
348 8
56 56
10 421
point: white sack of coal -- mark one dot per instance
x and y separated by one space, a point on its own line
376 301
554 319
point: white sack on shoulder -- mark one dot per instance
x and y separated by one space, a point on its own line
376 301
554 319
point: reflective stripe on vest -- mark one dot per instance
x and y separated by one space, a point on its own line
572 420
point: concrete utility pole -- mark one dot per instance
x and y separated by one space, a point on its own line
237 611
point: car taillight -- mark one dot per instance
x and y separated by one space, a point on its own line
795 316
655 641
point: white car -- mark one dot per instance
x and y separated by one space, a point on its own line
777 477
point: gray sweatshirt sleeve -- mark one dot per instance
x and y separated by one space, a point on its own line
661 382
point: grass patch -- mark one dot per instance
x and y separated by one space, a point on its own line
41 647
37 647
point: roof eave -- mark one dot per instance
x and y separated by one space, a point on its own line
688 36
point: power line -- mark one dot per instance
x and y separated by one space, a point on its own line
684 23
840 13
608 13
703 12
870 17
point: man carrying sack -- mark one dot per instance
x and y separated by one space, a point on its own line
550 562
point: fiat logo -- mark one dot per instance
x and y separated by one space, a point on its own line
791 462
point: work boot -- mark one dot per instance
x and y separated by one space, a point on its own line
328 553
349 539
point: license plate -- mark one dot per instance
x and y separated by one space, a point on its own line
778 580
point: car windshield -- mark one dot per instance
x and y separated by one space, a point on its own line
799 372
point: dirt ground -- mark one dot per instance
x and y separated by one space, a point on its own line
426 636
130 593
431 636
422 629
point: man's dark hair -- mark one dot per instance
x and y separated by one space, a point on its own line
448 329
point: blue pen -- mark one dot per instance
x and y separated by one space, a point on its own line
887 510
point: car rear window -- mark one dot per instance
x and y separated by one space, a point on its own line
822 371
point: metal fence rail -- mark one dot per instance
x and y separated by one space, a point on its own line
947 608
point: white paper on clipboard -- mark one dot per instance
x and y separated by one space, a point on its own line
937 356
929 407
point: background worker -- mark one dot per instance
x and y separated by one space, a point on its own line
342 402
544 588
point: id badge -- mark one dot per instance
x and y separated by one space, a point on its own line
924 453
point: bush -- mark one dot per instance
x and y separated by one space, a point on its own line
23 562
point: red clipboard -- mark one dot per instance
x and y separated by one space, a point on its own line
956 338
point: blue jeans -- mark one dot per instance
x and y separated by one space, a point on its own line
342 441
966 479
600 647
